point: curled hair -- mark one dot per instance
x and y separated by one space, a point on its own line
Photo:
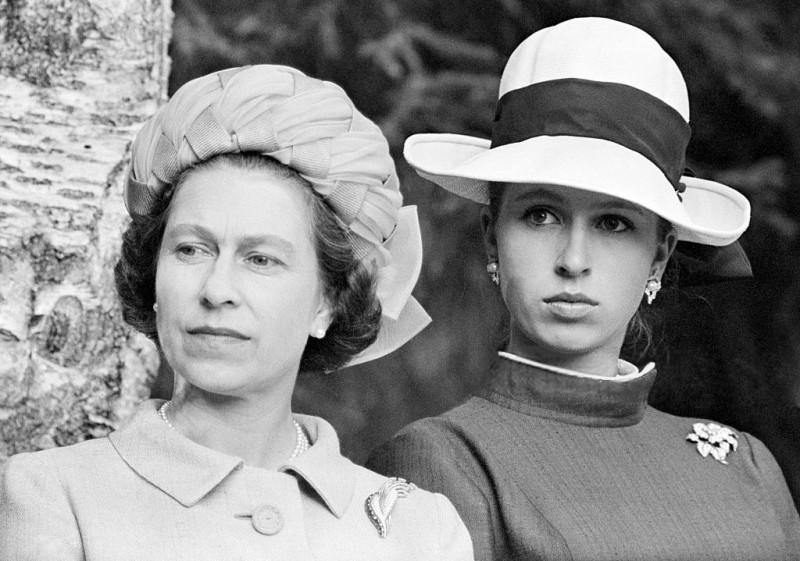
349 287
135 271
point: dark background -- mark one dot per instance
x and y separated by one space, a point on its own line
727 351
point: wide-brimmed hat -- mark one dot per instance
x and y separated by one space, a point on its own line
592 104
313 127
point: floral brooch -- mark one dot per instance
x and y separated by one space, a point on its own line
379 504
713 439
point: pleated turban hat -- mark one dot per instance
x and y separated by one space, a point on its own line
313 127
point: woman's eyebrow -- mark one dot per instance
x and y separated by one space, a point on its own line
183 229
247 242
271 240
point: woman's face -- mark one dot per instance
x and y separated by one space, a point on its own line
573 268
236 284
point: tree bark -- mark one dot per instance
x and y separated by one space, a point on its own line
78 79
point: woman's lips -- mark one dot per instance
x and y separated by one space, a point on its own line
571 298
207 339
217 332
570 305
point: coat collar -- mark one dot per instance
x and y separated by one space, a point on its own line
544 391
187 471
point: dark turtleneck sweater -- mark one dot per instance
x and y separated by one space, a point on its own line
555 465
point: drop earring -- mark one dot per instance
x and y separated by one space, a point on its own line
651 289
493 270
155 307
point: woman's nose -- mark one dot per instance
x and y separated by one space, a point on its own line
574 257
219 288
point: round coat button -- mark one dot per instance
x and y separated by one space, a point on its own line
267 520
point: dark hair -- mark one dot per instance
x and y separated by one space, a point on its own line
350 288
639 339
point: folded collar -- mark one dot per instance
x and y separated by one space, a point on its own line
187 471
544 391
323 467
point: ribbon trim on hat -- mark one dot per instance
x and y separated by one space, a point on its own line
403 317
615 112
397 278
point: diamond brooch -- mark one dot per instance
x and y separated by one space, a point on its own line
713 439
379 504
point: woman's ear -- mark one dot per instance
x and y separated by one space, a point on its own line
489 234
663 253
322 320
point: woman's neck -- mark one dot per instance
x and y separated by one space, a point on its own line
599 362
260 431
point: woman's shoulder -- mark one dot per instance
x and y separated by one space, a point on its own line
60 459
465 418
425 512
714 439
426 504
69 463
442 454
50 476
36 517
396 505
747 464
53 472
685 425
444 436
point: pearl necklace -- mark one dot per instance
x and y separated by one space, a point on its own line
301 443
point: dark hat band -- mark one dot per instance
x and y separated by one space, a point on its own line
573 107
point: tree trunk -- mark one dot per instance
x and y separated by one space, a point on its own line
77 79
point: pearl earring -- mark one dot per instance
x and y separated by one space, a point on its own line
493 270
319 333
651 289
155 307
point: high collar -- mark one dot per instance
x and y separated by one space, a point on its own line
539 390
188 471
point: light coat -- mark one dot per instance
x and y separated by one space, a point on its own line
147 492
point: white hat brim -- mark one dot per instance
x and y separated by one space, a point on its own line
711 213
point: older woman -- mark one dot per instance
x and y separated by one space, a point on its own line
559 457
267 238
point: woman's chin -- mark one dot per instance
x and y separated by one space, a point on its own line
228 380
223 388
569 341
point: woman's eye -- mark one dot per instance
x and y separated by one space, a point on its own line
613 223
189 251
540 216
262 261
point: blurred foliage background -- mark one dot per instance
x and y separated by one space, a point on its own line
728 351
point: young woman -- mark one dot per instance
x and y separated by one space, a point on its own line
559 457
263 204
